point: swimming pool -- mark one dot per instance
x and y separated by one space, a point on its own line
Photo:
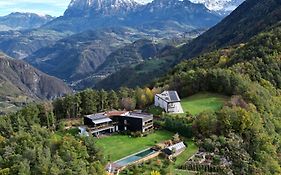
133 158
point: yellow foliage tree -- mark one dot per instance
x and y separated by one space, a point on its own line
155 173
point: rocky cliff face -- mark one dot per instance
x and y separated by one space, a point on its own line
183 12
173 14
100 7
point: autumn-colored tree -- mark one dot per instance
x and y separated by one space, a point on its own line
128 104
155 173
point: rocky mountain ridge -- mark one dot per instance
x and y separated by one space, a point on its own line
19 78
23 21
169 15
223 7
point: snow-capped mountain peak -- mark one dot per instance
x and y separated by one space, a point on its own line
220 5
100 7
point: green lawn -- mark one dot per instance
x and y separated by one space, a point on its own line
202 102
118 146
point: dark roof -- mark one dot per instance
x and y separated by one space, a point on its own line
173 96
144 116
169 96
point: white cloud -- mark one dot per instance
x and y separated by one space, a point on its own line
144 1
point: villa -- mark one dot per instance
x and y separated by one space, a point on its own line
100 123
169 101
137 121
114 121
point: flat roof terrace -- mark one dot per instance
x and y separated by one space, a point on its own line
98 118
143 116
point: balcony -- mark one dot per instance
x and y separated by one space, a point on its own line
148 123
102 126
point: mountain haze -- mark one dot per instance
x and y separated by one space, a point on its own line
20 44
249 19
79 55
23 21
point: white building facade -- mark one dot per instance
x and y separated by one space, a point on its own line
169 101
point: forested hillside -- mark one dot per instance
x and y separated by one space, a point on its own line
251 74
35 141
249 19
28 145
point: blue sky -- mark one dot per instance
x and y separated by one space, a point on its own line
51 7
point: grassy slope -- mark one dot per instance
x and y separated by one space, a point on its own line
202 102
189 151
119 146
181 159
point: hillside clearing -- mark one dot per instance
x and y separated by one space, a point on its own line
203 102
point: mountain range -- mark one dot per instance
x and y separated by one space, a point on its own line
88 8
23 21
94 39
95 14
159 19
20 44
114 28
236 28
79 55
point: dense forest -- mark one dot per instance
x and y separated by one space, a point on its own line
28 145
92 101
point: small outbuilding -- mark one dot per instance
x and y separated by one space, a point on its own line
174 150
